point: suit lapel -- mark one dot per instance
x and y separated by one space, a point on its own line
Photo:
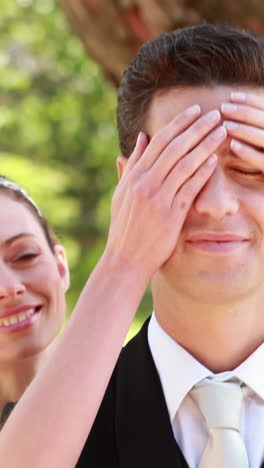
143 430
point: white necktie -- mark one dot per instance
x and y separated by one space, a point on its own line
220 403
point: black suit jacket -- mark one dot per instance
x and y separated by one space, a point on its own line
132 428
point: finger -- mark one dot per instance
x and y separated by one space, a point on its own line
243 113
188 164
183 199
184 143
246 133
246 152
159 141
254 100
141 145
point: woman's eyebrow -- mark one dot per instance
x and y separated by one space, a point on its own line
17 236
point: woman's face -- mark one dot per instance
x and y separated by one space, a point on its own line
33 282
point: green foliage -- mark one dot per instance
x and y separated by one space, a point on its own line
57 129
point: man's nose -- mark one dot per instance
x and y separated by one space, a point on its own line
217 199
10 284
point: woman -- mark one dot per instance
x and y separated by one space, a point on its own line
33 280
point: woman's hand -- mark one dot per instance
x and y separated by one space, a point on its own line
158 186
245 125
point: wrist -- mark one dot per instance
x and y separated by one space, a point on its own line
126 269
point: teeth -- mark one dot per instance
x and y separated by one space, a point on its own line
22 317
29 313
16 318
13 319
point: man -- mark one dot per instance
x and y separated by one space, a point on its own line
207 327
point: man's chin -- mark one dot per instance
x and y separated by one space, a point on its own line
218 287
214 283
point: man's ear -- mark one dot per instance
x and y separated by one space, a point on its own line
121 163
62 263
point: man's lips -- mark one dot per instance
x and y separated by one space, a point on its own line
216 243
197 237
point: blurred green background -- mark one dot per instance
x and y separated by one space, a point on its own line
58 132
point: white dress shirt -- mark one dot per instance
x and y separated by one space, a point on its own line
179 371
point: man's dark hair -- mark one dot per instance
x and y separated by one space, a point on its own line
204 55
19 193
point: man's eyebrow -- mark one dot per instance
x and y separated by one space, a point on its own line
234 156
16 237
228 153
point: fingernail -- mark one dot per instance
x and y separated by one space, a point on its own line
238 96
212 160
219 133
213 116
235 145
139 137
193 110
230 125
228 107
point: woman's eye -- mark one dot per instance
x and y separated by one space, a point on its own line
26 257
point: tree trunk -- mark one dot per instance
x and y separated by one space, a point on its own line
113 30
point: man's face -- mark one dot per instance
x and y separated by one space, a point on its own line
231 203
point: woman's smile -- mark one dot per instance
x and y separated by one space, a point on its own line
19 318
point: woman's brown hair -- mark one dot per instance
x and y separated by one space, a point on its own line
19 193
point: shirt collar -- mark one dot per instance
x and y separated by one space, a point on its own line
251 371
179 371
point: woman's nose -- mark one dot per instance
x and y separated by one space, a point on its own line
10 284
